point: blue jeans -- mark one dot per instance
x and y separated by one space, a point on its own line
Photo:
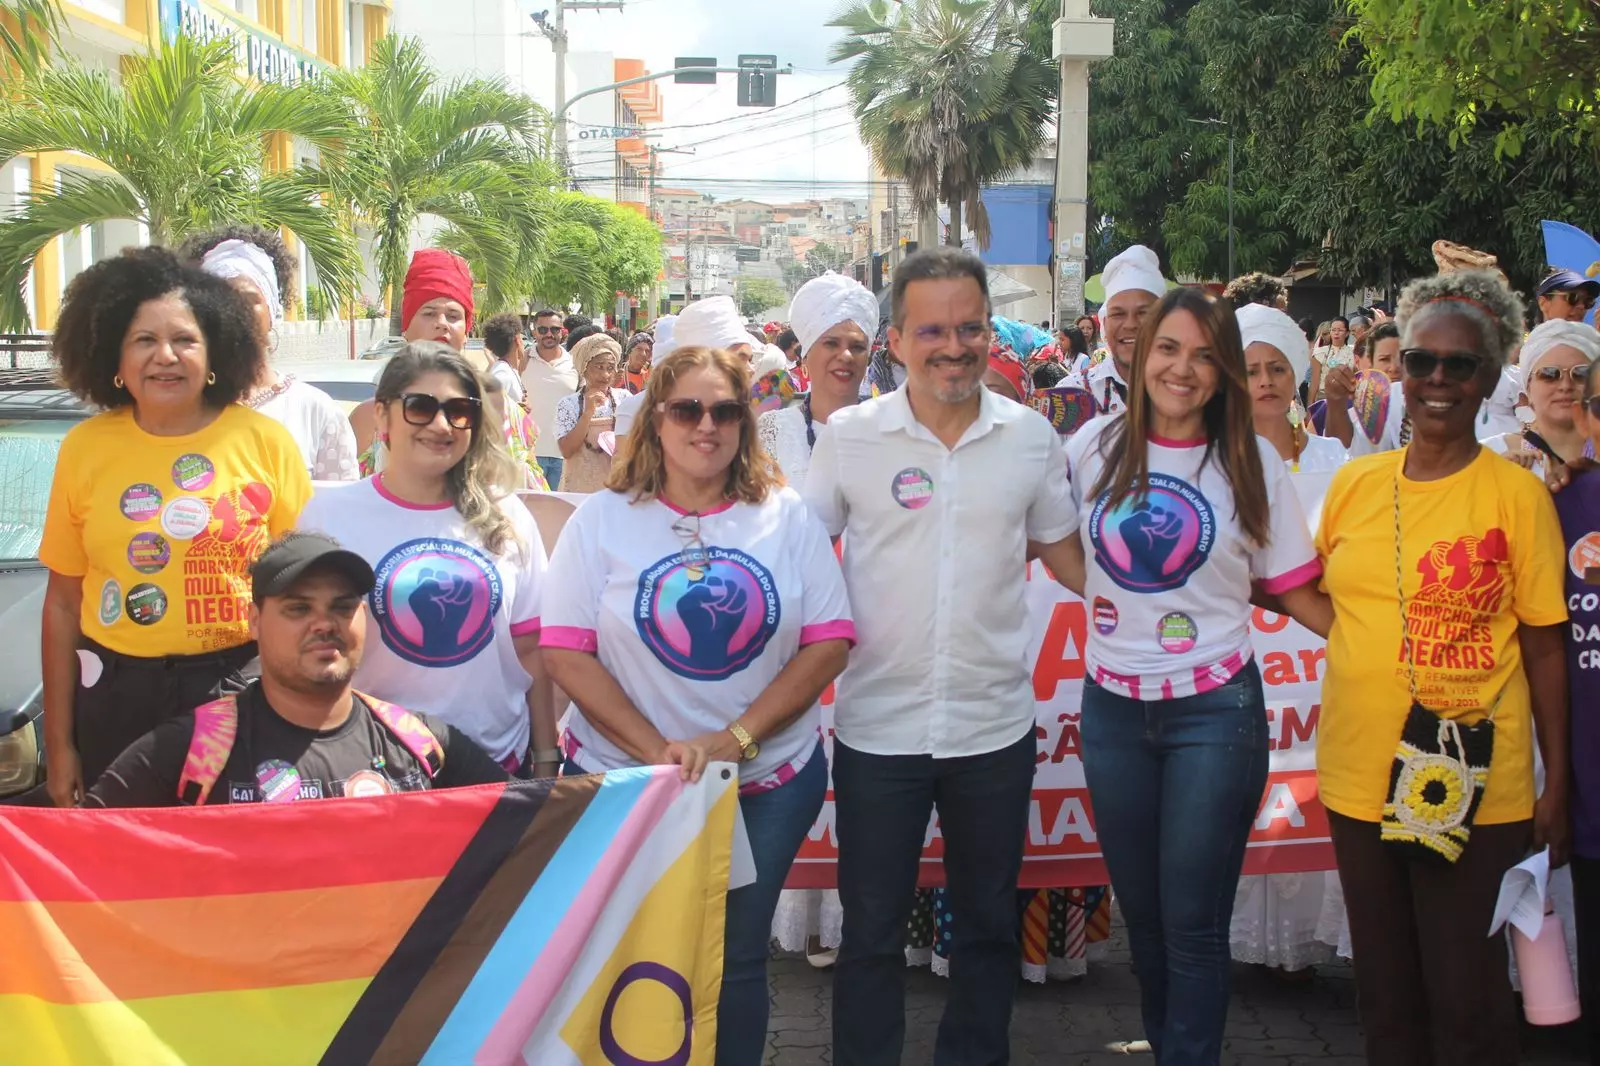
881 806
776 822
1175 785
552 470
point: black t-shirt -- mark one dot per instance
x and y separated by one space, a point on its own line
275 760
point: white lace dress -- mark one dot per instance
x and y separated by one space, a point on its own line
801 913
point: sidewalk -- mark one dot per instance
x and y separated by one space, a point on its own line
1270 1023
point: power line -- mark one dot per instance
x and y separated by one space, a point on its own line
766 144
745 118
791 121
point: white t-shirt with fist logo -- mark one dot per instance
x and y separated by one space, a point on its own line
695 616
444 609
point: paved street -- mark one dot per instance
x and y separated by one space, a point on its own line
1270 1023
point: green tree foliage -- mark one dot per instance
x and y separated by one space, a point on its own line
185 143
756 295
1367 199
27 28
1451 62
465 152
947 95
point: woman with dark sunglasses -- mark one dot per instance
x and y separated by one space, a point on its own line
1444 564
696 613
460 563
1555 367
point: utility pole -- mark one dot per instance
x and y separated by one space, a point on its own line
556 30
1079 39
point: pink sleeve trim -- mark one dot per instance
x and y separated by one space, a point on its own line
840 629
1293 579
569 638
522 629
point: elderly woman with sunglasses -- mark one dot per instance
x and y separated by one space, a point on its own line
1444 564
1555 366
586 421
695 613
459 561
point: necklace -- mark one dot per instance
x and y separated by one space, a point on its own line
271 392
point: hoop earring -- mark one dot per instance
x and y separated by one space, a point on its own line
116 379
211 378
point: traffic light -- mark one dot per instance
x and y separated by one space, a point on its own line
758 81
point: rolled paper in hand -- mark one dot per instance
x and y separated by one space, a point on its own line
1371 403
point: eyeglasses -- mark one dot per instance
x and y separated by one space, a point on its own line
968 334
1421 363
545 331
692 412
460 412
693 555
1552 374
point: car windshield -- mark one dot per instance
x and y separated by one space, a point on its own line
28 450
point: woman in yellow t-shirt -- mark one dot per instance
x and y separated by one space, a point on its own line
160 504
1444 563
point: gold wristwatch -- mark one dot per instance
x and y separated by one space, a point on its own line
748 748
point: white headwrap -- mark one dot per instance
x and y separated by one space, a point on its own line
1268 325
770 359
665 342
1548 336
826 301
1134 268
241 259
713 322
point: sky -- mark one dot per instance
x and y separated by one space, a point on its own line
805 150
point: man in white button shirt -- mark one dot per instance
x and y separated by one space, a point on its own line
941 486
548 378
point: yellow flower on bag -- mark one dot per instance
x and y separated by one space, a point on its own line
1435 794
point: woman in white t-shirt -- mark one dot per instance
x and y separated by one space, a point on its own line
586 421
1184 508
260 268
1337 351
696 612
459 562
1554 361
1276 356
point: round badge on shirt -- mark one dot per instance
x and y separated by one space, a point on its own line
186 518
1177 633
365 783
146 604
1584 554
140 502
149 553
193 472
279 781
709 621
1105 616
912 488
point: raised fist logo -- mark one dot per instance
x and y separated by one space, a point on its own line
712 611
441 602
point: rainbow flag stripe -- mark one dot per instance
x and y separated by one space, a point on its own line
568 922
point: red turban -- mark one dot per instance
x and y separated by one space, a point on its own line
435 273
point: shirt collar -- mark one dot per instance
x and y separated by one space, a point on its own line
896 414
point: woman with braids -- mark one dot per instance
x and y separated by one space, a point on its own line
1186 510
256 263
160 504
460 565
1444 563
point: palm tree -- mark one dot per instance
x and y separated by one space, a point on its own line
466 152
185 143
26 28
947 95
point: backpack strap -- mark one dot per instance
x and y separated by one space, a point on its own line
410 731
216 725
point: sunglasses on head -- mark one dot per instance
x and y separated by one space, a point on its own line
1421 363
1552 374
460 412
691 412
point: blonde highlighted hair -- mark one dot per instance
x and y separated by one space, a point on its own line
641 467
487 473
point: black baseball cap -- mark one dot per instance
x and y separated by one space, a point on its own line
292 554
1568 279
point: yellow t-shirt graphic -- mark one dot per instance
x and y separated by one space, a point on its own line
1481 553
163 529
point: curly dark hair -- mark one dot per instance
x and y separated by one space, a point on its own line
1255 288
101 303
500 333
195 248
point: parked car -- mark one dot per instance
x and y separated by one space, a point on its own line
348 381
35 414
